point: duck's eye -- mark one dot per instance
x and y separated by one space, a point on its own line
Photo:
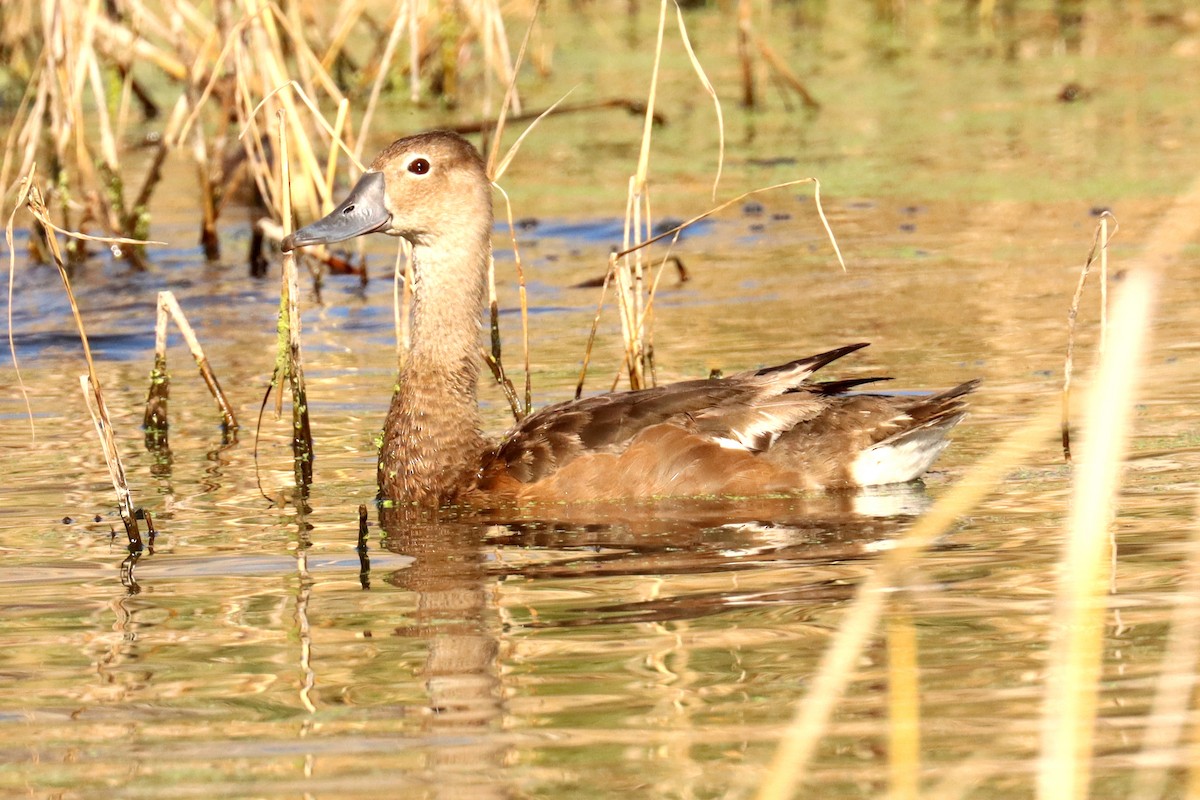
418 166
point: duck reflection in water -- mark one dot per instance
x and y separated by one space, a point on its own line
460 566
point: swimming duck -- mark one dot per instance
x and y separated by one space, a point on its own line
762 431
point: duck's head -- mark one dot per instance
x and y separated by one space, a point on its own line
420 187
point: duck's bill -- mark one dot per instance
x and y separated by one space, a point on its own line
363 211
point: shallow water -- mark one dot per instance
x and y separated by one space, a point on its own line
658 651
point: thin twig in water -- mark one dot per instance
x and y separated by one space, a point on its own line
1099 242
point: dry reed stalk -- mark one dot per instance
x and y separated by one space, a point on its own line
1076 656
289 327
112 458
630 299
348 15
495 170
527 406
712 92
1099 242
808 725
673 233
91 382
904 704
634 297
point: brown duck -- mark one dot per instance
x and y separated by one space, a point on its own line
767 430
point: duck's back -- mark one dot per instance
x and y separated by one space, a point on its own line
771 430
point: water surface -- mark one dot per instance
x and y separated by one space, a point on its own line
656 652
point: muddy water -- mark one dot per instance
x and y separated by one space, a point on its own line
657 652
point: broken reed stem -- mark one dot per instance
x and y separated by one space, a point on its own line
168 305
812 712
364 552
1099 242
1075 662
156 420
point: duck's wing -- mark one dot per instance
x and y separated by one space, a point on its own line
873 439
747 411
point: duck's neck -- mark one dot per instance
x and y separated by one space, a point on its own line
431 439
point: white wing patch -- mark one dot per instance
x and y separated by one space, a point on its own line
755 429
902 458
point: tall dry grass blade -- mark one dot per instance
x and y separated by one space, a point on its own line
510 97
348 15
591 340
1099 242
414 53
1070 707
643 167
524 303
22 196
1075 662
16 129
795 750
389 52
1172 706
708 87
516 146
722 206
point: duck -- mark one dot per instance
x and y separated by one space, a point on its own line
763 431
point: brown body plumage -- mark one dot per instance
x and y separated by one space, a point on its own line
769 430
